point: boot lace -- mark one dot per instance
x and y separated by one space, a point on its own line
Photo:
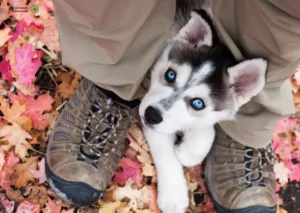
94 138
264 157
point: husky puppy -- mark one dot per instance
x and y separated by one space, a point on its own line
195 83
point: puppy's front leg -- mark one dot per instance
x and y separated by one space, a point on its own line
195 145
172 185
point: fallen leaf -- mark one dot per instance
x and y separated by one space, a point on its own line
55 208
22 174
280 210
14 113
7 170
110 207
148 170
11 55
8 205
26 66
4 8
40 174
28 207
131 169
209 205
2 158
67 82
50 36
4 35
36 108
5 67
281 173
17 137
138 197
294 169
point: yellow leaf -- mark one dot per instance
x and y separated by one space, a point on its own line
17 137
110 207
13 114
4 35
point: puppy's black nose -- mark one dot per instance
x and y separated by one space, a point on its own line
152 115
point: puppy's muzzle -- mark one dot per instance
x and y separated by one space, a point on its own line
152 116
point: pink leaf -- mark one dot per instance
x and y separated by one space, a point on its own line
284 150
40 174
35 107
2 158
28 207
5 68
295 171
26 66
131 169
209 205
55 208
6 171
8 205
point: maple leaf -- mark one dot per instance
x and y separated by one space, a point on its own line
110 207
209 205
148 170
28 207
4 35
26 66
2 158
68 81
138 197
8 205
5 68
15 136
294 171
4 8
20 28
131 169
40 174
152 199
14 113
22 174
11 55
7 170
55 208
281 173
26 90
36 108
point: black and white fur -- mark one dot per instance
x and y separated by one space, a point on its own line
206 69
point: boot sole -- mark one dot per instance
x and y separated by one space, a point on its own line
75 193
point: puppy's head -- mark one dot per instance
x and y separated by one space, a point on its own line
196 81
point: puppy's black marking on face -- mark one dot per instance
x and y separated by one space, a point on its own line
220 58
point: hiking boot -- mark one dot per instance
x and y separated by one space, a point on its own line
86 143
240 179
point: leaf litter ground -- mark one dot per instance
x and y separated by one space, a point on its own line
34 87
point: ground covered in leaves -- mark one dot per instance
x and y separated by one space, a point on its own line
34 87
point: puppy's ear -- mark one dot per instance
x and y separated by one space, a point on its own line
247 79
197 31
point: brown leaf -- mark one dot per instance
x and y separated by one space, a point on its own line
36 194
14 194
22 174
69 82
14 113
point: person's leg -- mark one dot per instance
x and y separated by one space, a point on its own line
239 169
112 43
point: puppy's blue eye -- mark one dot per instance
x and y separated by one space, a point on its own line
197 104
170 76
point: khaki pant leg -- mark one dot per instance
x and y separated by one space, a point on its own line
113 42
269 29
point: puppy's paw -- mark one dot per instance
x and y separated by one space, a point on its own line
173 199
185 157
